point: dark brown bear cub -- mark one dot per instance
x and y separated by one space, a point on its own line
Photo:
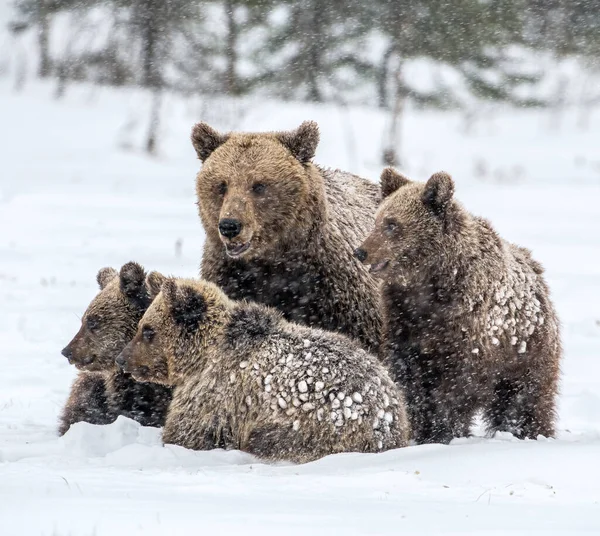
281 231
468 321
246 379
102 391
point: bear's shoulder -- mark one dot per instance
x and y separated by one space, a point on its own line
352 201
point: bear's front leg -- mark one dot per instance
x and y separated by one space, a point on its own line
439 409
87 402
206 433
524 406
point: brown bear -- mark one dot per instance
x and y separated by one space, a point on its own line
247 379
281 231
469 324
101 391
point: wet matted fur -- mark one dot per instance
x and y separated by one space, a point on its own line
468 319
247 379
101 392
299 225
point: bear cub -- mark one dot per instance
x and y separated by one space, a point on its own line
469 324
247 379
101 392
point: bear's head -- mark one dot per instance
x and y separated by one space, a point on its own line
255 190
414 226
183 322
110 320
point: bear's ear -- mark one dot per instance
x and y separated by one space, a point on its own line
105 276
206 139
301 142
187 305
438 192
154 283
169 290
391 180
132 278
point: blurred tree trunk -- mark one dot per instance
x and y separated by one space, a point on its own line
314 42
150 39
149 64
21 67
151 142
231 80
45 66
314 93
382 77
392 145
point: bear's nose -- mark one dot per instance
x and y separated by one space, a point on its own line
361 254
230 228
68 353
121 361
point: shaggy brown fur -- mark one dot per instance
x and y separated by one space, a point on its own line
101 391
298 226
468 320
87 402
246 379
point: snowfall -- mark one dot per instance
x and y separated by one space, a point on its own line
77 193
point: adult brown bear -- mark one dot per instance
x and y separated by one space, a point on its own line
281 230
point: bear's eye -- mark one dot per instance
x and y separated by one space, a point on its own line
390 226
259 188
148 333
92 323
222 188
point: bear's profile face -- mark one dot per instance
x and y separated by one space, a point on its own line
252 187
175 331
145 356
410 225
110 320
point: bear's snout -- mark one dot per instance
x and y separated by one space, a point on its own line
361 254
230 227
67 352
122 359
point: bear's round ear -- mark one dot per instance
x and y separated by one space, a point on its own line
132 278
105 276
188 306
169 290
154 283
302 142
206 139
391 180
438 192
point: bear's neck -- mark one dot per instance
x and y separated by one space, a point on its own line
417 303
448 286
194 350
312 225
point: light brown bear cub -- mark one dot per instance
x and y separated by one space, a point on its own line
469 324
101 391
281 231
247 379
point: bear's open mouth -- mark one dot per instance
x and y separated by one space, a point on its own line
84 363
379 267
235 250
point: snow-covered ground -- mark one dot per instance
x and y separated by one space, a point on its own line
76 194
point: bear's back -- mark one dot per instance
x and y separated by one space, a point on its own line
352 202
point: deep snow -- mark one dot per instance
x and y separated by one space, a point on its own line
76 194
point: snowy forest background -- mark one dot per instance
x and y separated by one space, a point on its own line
97 101
442 54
